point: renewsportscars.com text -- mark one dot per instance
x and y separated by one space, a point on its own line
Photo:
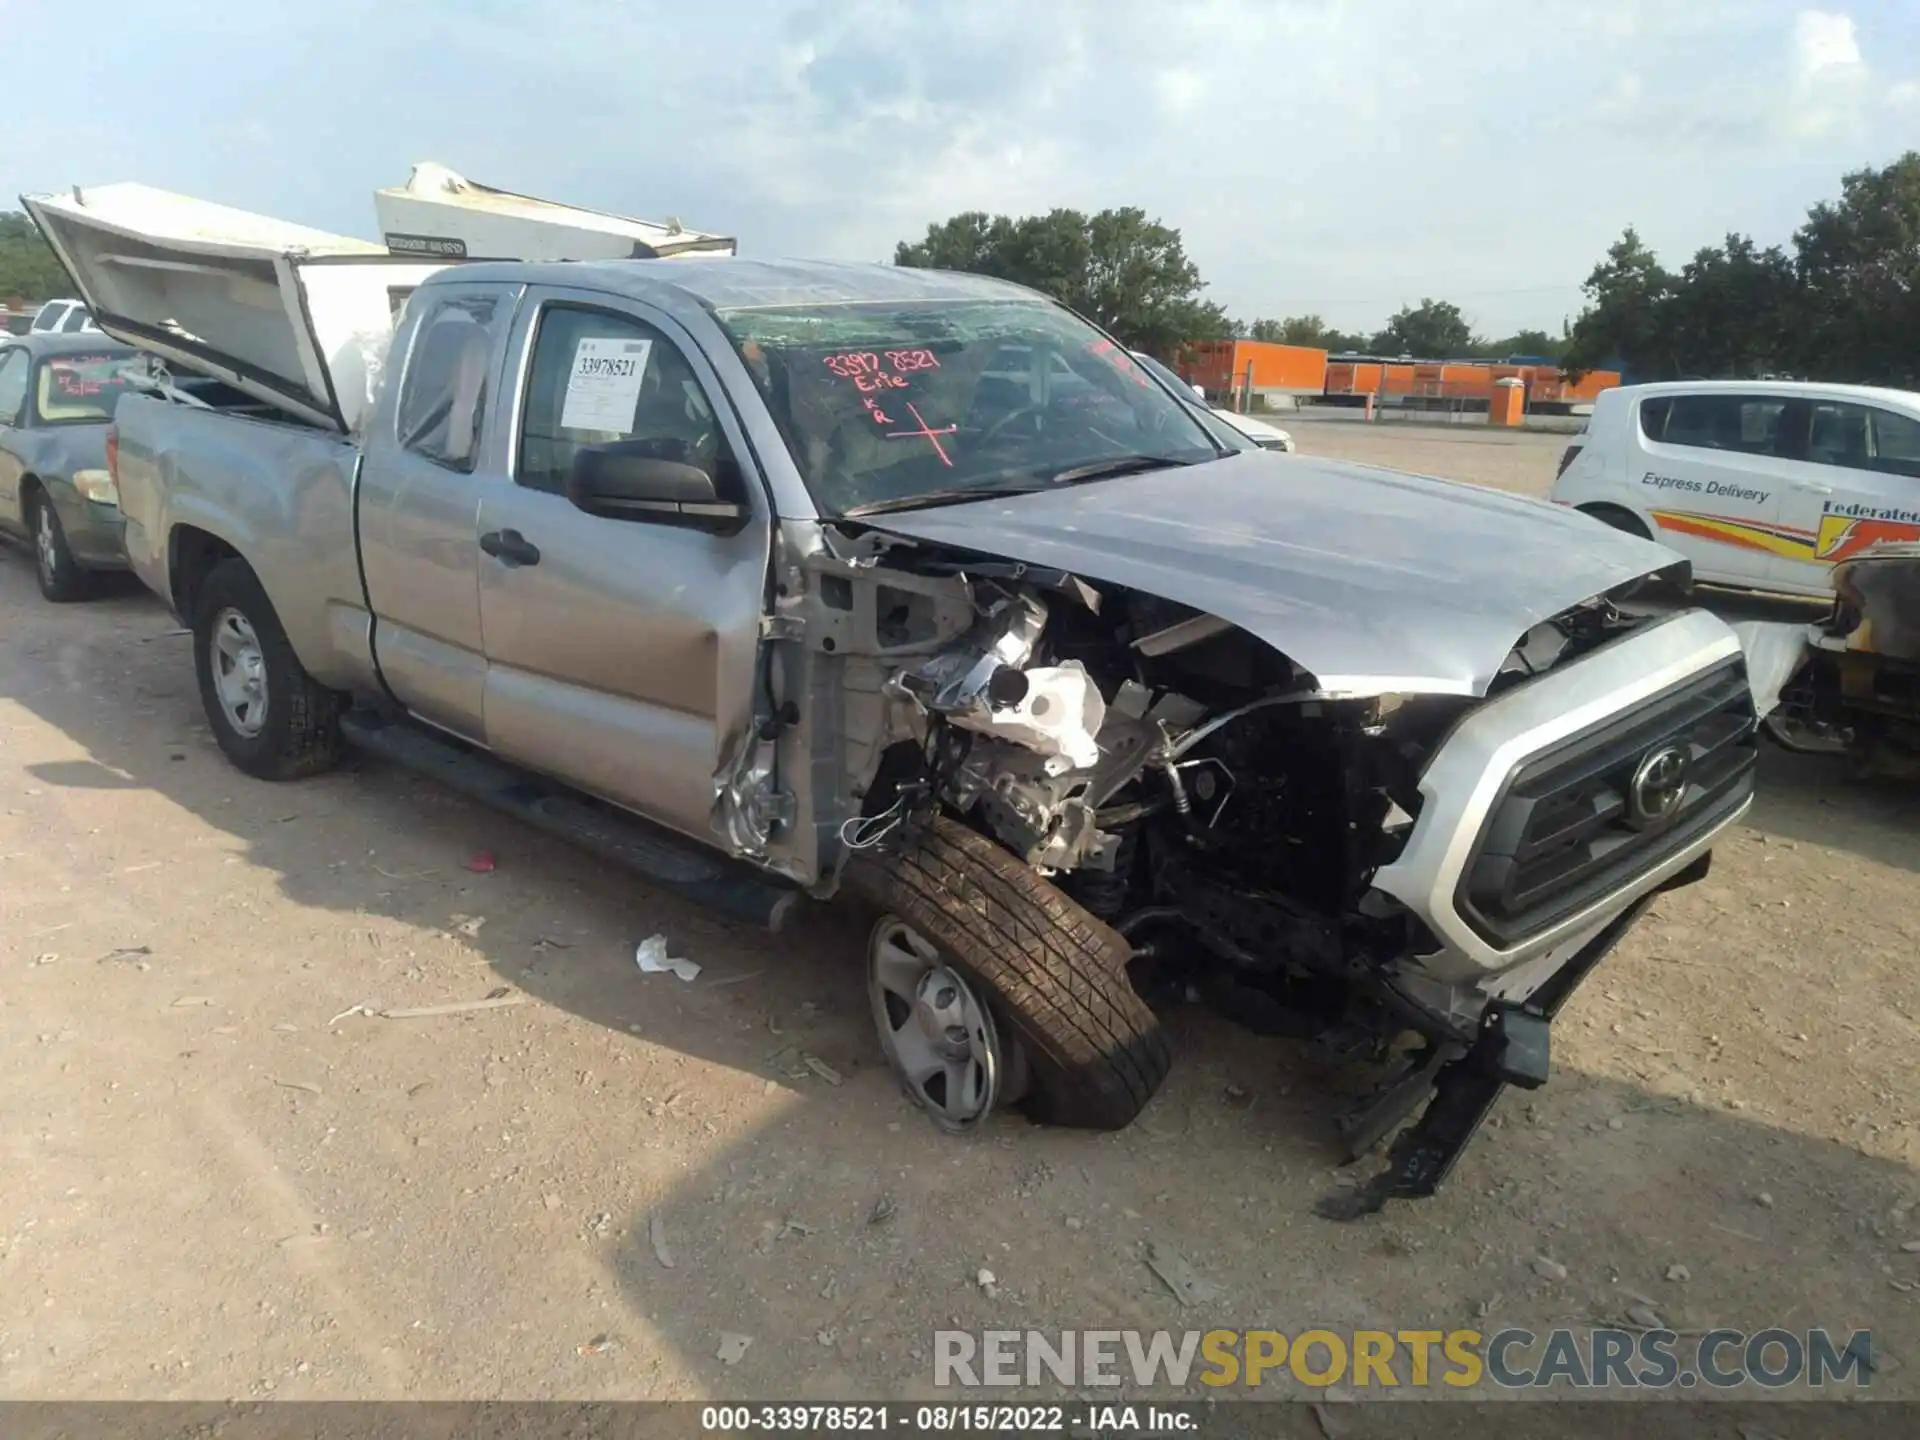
1598 1358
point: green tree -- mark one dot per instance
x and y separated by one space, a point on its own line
1431 330
1127 273
1858 263
1309 330
1624 322
1522 342
27 267
1729 313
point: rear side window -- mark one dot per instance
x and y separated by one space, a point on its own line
1653 416
1745 424
13 385
1840 434
443 402
1896 443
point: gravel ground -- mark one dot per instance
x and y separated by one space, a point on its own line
223 1178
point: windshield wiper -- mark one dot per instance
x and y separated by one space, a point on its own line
956 495
1116 465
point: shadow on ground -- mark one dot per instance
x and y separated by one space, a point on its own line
838 1230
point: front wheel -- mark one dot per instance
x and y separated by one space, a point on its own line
988 981
60 576
268 715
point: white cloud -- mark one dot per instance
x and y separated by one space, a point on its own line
1824 41
1338 158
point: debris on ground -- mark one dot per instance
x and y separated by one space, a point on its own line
732 1347
598 1345
1679 1274
740 979
987 1282
455 1007
295 1085
1074 1222
653 959
600 1224
657 1233
1178 1276
468 925
480 862
1548 1268
1646 1317
133 955
189 1002
820 1067
883 1210
352 1010
1912 1247
1763 1200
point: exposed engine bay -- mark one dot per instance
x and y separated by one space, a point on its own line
1189 785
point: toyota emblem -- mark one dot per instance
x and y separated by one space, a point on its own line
1659 784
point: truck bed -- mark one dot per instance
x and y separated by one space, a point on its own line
261 485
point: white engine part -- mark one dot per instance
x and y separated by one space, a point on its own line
1058 717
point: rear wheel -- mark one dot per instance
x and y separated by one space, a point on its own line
267 713
1619 519
989 985
60 576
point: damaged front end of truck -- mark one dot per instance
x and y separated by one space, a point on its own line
1413 875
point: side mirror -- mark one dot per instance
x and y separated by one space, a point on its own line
620 481
1201 392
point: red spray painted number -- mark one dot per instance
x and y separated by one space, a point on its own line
871 371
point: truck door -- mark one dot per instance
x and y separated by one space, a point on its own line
620 652
429 457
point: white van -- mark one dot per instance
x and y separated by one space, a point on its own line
1761 484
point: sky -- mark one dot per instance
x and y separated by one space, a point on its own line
1335 157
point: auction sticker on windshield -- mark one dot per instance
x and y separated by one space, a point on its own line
603 388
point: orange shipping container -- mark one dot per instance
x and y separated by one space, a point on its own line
1223 365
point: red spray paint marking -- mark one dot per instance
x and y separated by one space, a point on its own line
1119 359
933 436
870 372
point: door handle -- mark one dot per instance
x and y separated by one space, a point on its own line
510 547
1812 488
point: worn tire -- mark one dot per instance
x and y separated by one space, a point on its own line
301 733
1052 973
61 578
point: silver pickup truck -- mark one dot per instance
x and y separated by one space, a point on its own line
785 579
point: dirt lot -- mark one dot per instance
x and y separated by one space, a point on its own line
222 1178
1520 460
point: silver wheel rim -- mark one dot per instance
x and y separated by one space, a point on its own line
938 1035
239 672
44 543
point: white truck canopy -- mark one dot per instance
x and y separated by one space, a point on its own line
300 318
292 316
443 215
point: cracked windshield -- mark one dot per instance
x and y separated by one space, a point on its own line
889 407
